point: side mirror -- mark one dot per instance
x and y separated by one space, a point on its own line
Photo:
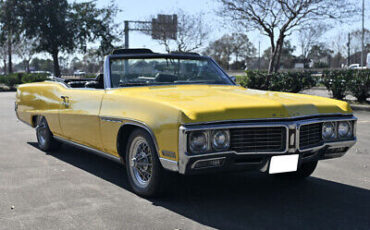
233 78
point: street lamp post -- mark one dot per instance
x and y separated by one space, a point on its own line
126 34
163 26
363 34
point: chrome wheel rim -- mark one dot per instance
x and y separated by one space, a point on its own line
140 157
42 132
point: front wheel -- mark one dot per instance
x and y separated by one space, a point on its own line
304 171
145 173
45 138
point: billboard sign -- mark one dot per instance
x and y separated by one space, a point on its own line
164 27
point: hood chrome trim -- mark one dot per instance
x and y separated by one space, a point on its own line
273 119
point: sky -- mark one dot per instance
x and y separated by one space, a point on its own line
144 9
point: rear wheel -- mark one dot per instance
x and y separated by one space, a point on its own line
144 170
302 172
45 138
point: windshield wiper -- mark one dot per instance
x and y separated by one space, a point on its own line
168 83
195 82
145 83
133 84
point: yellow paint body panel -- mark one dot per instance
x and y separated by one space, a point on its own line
160 108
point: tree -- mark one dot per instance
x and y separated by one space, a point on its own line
25 50
60 26
318 52
309 36
42 64
242 46
4 55
278 18
236 45
356 44
287 57
337 61
339 43
76 64
92 61
219 51
191 33
10 29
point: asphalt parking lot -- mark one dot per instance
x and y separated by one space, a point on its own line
73 189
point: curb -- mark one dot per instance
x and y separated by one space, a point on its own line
360 107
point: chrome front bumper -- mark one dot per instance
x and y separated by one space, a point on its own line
260 159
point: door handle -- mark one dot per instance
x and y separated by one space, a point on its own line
65 101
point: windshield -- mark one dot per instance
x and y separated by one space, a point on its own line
165 71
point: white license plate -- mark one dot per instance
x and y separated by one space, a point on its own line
282 164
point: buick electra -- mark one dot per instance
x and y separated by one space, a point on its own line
181 112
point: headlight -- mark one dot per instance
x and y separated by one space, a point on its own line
328 130
220 139
344 129
198 142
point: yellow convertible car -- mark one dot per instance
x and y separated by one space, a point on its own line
181 112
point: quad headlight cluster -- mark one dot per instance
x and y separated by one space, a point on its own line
337 130
207 141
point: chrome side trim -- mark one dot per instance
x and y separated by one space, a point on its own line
95 151
169 164
166 163
144 126
111 119
129 121
17 115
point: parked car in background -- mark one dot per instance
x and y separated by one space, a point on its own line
356 66
79 73
181 112
48 73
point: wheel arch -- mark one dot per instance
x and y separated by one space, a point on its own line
124 132
35 119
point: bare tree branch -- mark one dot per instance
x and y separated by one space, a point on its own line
192 33
278 18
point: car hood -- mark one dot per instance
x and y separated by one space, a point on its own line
205 103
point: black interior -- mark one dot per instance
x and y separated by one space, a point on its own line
161 77
95 83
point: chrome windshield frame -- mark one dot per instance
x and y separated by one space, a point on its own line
108 58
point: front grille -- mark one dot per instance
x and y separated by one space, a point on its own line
258 139
310 135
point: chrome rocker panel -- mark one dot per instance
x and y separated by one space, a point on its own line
84 147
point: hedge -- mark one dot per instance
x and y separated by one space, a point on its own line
12 80
343 82
339 82
281 81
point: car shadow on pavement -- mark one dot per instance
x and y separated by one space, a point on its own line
245 200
